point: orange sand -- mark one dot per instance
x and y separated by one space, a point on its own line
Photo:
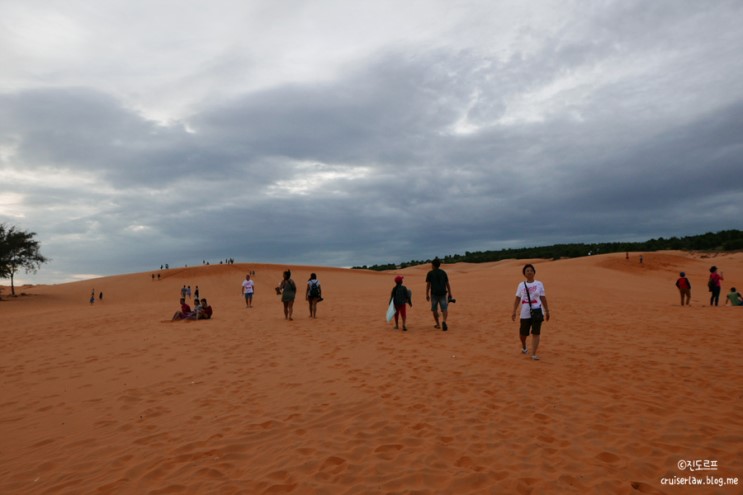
109 399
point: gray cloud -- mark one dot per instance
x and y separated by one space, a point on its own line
614 122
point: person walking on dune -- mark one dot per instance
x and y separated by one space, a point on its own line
248 288
530 297
684 287
288 290
400 296
437 289
313 294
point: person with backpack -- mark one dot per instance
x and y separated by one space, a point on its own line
399 297
313 294
715 286
684 287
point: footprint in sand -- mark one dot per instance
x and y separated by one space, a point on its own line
388 452
333 465
608 457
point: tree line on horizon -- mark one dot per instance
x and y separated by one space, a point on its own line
722 241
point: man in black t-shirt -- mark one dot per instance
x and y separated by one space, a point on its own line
437 288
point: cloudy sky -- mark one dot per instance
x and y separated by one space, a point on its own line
140 132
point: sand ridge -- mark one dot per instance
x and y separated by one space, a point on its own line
107 399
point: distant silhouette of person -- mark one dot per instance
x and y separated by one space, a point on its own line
641 259
313 294
158 276
734 298
437 288
100 296
92 296
153 277
196 292
288 290
400 296
183 292
715 286
188 292
684 287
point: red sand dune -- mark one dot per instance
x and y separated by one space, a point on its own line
109 399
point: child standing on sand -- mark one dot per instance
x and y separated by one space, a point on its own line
530 296
399 297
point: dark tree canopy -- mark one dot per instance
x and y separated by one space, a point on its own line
725 240
18 250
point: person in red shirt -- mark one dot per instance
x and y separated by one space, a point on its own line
715 286
684 287
185 311
206 311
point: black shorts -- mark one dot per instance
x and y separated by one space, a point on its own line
535 326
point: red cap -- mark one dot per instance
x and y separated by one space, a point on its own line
398 279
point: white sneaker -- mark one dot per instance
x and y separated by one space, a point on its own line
524 351
535 357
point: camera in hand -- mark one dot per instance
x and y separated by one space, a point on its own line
451 299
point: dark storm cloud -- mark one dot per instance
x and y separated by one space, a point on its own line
615 125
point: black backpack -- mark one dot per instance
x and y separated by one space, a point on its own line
314 288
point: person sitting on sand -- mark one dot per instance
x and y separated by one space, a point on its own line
734 298
185 311
399 297
206 311
196 313
530 296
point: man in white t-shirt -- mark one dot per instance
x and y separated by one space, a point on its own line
248 288
530 296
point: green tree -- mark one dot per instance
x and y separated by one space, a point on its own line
18 250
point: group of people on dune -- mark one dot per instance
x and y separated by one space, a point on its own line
201 310
530 303
714 285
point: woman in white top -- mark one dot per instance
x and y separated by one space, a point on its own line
530 296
